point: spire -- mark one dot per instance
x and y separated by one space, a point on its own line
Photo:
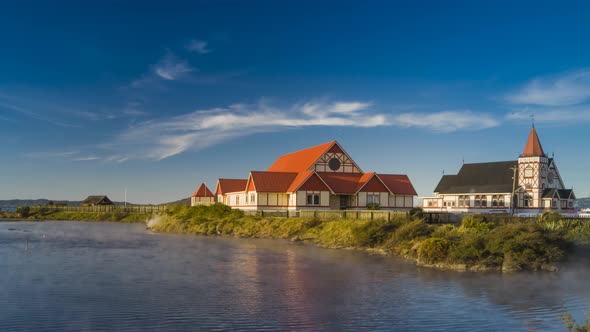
533 146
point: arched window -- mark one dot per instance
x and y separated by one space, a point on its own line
467 201
527 200
501 201
477 201
484 201
495 201
461 201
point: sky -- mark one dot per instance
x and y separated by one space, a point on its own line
96 97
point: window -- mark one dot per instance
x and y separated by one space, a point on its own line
373 199
527 200
467 199
563 204
554 203
571 204
313 199
501 201
237 200
484 201
246 198
429 203
495 201
477 201
253 198
461 201
528 172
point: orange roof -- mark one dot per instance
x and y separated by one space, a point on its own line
398 184
341 183
275 182
301 160
230 185
299 180
533 146
203 191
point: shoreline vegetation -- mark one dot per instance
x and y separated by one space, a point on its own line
478 243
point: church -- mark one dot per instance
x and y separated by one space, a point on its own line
320 177
531 184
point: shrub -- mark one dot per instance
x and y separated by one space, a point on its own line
475 224
373 206
549 216
416 213
23 211
410 231
433 250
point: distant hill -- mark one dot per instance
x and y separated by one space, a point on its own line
184 201
583 203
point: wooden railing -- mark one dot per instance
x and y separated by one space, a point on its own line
105 208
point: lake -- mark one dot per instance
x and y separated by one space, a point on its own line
68 276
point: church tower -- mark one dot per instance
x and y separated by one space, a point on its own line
533 179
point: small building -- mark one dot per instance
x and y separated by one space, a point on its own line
202 196
97 200
528 185
320 177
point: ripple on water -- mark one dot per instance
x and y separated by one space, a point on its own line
99 277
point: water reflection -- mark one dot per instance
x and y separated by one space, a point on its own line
93 276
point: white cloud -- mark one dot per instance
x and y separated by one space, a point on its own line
446 121
203 128
89 158
171 67
561 115
198 46
160 139
567 89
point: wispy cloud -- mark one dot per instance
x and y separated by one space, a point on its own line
160 139
198 46
553 115
447 121
171 67
88 158
566 89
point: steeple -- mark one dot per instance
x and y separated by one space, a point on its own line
533 146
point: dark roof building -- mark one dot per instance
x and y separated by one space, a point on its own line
97 200
530 184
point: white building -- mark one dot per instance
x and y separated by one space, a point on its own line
202 196
530 184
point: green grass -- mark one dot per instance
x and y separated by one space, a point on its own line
50 214
477 244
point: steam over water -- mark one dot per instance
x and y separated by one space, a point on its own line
98 276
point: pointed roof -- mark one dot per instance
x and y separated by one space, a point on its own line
533 146
398 183
301 160
277 182
230 185
203 191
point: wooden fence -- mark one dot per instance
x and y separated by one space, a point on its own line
331 214
105 208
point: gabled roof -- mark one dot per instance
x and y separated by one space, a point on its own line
533 146
278 182
301 160
561 193
230 186
341 183
494 177
203 191
97 199
398 184
299 180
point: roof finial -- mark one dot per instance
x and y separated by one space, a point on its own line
533 119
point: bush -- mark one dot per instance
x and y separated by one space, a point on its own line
373 206
23 211
417 213
433 250
410 231
549 216
475 224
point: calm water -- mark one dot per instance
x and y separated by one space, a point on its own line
98 276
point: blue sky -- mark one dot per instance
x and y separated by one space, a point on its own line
160 97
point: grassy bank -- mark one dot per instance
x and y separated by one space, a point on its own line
477 244
50 214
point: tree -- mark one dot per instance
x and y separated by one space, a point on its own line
23 211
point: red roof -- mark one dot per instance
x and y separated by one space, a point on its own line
203 191
341 183
398 184
230 185
301 160
274 182
533 146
